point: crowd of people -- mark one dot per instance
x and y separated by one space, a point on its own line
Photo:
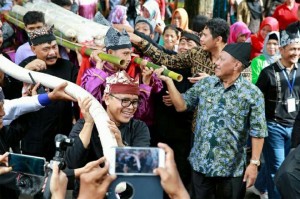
230 125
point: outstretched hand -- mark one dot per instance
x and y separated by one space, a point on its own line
134 38
59 93
197 77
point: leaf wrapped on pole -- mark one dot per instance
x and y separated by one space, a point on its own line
19 13
14 21
166 72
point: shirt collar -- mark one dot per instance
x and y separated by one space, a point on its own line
109 67
281 66
236 84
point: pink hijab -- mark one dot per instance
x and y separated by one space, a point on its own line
118 15
237 29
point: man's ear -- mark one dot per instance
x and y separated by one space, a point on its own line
219 39
110 51
106 99
238 66
33 48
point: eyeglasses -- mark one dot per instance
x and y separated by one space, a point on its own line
125 102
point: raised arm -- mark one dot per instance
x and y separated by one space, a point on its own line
159 57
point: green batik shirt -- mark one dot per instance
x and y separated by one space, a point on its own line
225 118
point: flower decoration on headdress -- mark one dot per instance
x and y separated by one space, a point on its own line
41 35
121 83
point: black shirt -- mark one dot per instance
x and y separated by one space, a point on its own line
54 119
272 81
135 133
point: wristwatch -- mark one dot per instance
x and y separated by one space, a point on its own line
255 162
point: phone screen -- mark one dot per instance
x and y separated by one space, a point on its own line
136 161
27 164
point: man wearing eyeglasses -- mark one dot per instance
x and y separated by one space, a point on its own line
121 97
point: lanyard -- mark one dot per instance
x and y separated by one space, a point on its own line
289 83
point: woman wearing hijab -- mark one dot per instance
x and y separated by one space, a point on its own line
118 15
269 24
87 8
270 54
180 19
239 32
150 10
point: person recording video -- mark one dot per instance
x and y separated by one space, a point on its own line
13 133
94 184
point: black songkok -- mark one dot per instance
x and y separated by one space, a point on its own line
240 51
41 36
191 36
116 40
150 22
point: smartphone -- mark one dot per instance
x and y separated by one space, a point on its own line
27 164
135 160
40 89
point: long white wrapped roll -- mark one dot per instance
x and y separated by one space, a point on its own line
96 110
86 30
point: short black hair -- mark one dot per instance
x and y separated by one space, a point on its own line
171 27
199 22
33 17
62 3
218 27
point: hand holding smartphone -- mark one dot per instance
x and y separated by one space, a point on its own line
27 164
40 89
135 160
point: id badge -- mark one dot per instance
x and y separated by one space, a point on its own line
291 105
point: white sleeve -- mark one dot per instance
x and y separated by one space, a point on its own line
17 107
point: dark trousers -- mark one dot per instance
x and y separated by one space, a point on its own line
218 187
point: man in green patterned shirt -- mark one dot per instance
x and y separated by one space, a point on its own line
229 109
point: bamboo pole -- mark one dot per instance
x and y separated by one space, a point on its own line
14 21
166 72
71 45
58 33
103 56
96 110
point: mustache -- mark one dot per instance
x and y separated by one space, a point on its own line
52 57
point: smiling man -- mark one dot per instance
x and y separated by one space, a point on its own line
121 97
200 59
57 117
229 109
280 84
